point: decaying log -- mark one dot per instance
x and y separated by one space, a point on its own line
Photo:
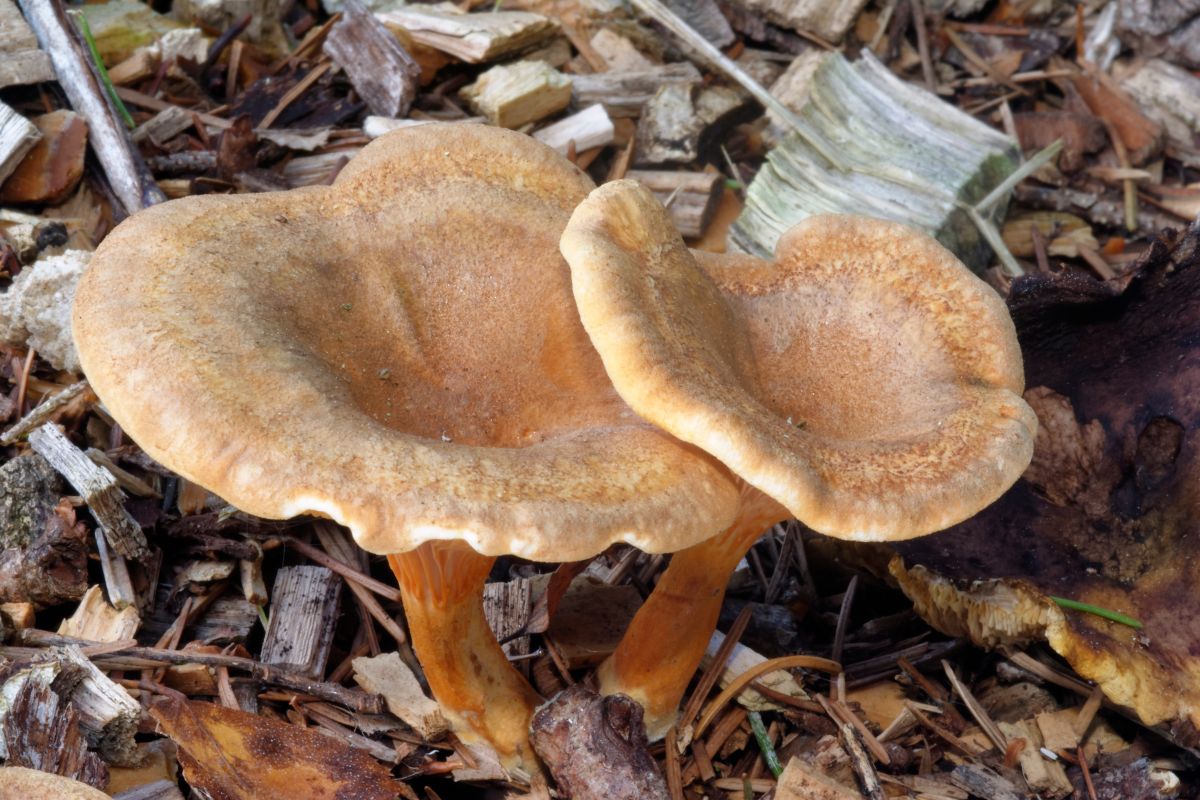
98 488
589 128
17 137
474 38
886 132
382 71
693 196
512 95
132 183
304 612
624 93
596 747
20 59
43 550
682 121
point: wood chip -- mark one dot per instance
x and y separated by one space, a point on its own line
382 71
52 169
693 196
799 782
589 128
624 93
512 95
474 38
21 61
17 137
304 612
96 620
388 675
1058 729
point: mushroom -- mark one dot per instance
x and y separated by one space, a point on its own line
398 352
864 382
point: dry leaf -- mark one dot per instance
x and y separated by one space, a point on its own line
234 755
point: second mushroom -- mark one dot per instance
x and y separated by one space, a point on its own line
864 382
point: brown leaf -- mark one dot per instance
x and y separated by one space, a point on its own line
234 755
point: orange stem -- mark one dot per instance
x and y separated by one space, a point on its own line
482 695
661 649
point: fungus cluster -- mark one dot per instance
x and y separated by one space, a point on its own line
407 353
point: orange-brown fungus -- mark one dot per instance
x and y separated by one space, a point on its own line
864 382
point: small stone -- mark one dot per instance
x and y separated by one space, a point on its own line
52 169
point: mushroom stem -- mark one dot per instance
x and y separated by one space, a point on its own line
662 647
484 698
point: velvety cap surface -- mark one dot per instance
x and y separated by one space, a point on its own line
399 352
865 379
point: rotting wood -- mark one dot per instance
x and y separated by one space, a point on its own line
693 196
799 782
17 137
304 611
507 606
39 729
983 782
589 128
21 62
388 675
474 38
382 71
107 714
98 488
127 173
164 126
512 95
624 93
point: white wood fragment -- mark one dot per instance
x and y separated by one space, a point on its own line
589 128
624 93
36 308
107 714
743 658
387 675
17 137
474 38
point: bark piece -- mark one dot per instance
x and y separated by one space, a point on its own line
36 309
382 71
1105 515
52 169
512 95
98 488
983 782
830 21
507 607
624 93
693 196
596 747
680 122
589 128
131 182
17 137
389 676
1081 134
304 611
43 550
41 729
884 129
21 61
474 38
1169 29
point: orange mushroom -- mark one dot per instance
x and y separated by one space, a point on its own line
864 382
399 352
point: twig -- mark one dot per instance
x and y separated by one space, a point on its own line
350 698
839 634
977 711
918 15
742 681
131 181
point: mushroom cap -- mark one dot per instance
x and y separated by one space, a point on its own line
865 379
32 784
399 352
